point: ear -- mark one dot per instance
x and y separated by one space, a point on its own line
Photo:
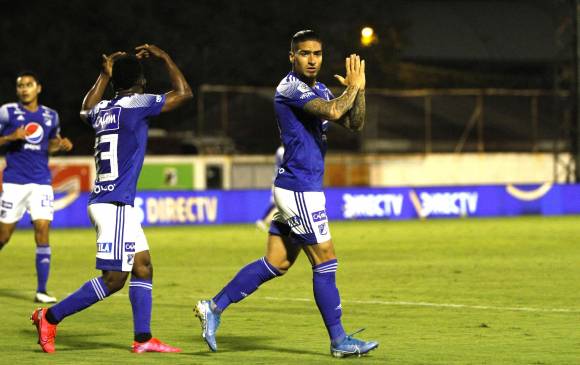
291 57
39 88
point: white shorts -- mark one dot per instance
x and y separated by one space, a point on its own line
301 215
119 236
20 198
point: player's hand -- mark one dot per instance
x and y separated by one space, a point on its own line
355 72
65 144
146 50
109 60
18 134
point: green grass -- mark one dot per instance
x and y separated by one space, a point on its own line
395 279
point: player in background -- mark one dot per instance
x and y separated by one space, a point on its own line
31 132
303 108
121 126
264 222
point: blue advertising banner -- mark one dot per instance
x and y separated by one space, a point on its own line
160 208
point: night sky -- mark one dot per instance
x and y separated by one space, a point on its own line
246 43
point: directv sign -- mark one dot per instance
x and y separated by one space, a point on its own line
159 208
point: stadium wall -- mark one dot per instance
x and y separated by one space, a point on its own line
160 208
374 170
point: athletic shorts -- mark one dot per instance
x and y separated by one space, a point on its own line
301 216
119 236
19 198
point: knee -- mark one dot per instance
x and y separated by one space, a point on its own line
281 265
143 271
114 283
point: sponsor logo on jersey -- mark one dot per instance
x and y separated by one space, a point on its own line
323 229
107 120
307 95
319 216
34 133
129 246
104 247
101 188
32 147
294 221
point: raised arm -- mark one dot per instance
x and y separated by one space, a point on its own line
336 108
354 119
181 91
96 92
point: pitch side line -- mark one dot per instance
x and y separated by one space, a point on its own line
438 305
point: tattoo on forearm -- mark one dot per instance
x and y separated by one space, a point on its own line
335 108
357 112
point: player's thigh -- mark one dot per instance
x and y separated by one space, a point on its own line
40 202
14 202
281 252
6 230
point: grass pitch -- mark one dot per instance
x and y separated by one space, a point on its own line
493 291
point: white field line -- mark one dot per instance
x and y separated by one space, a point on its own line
410 304
437 305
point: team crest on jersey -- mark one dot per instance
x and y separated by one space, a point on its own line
107 120
34 133
130 259
323 229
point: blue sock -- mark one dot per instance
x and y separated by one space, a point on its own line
328 299
42 267
88 294
247 281
141 302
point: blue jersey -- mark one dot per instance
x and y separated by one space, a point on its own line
27 160
120 143
303 135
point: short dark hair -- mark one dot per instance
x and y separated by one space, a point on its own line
302 36
28 73
127 71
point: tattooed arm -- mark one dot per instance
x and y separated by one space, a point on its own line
348 109
332 109
355 118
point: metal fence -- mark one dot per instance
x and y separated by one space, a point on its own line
425 120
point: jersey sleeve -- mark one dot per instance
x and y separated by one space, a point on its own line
150 104
55 131
4 118
295 93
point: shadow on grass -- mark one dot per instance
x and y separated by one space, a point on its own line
257 343
27 296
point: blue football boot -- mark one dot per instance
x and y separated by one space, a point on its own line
210 321
351 346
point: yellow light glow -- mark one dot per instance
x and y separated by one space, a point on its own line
367 32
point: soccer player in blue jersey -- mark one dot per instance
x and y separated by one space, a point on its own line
120 126
303 108
31 132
